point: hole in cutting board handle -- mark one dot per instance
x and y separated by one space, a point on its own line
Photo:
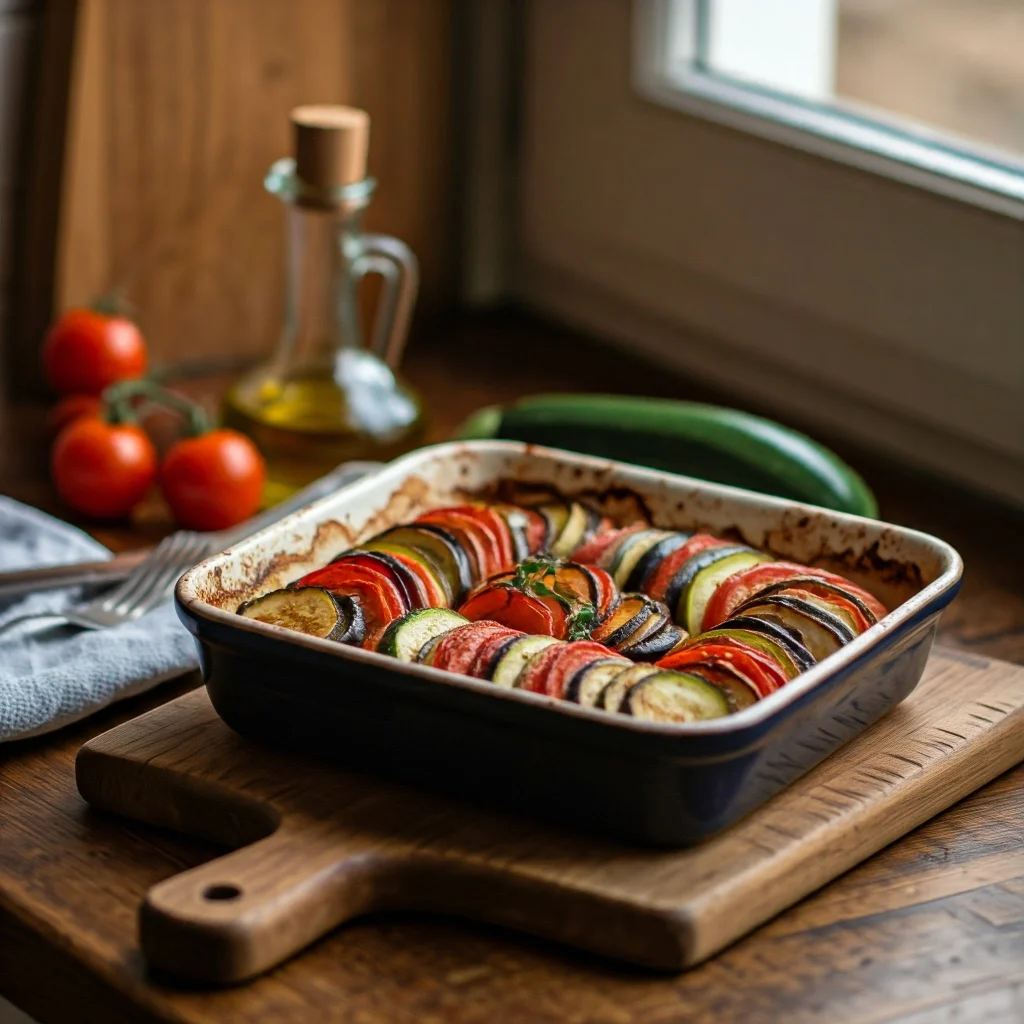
221 892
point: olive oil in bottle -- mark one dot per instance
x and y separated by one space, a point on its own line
326 397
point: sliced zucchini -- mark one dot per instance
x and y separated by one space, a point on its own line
632 550
760 641
740 692
310 610
677 592
783 636
406 637
441 545
668 696
513 661
587 685
649 561
699 592
612 695
580 522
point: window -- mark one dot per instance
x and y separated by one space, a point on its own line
736 211
930 91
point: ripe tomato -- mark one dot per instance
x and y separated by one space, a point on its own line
87 351
67 410
103 469
213 481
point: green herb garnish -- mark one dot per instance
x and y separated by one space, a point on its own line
581 616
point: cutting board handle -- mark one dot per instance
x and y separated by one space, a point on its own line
240 914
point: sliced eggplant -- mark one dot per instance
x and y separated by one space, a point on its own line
419 555
655 645
759 641
668 696
694 599
517 528
739 691
587 685
632 611
822 632
676 591
412 589
310 610
405 637
801 582
613 694
511 664
442 545
649 561
785 637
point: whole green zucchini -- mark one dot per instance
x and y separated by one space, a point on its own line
704 441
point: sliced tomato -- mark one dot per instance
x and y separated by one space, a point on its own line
764 673
657 584
488 651
457 649
477 541
840 599
606 593
413 593
490 520
379 599
591 551
570 659
740 588
535 673
435 592
539 616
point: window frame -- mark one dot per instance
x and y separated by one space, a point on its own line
902 151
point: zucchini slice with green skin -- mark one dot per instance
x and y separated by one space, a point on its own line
632 550
612 695
695 600
310 610
511 664
668 696
678 590
703 441
653 557
783 636
407 636
439 544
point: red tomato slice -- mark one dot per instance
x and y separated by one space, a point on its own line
534 676
434 594
527 612
494 523
766 675
408 584
590 552
570 659
742 586
476 541
379 598
659 581
458 648
488 651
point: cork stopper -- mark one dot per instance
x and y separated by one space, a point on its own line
331 144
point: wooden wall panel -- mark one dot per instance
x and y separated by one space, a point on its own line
178 108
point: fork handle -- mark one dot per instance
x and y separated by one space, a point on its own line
110 570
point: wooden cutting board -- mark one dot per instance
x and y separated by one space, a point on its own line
318 846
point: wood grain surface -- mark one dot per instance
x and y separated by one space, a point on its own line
328 846
930 929
178 108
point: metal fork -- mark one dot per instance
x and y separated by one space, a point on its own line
153 580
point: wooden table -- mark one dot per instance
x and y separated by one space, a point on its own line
930 929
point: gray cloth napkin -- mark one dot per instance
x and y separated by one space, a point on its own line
52 676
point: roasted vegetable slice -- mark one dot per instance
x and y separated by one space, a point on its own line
406 637
587 685
665 582
570 660
458 648
613 694
762 670
782 636
739 691
443 547
590 552
646 564
379 598
512 662
668 696
821 632
310 610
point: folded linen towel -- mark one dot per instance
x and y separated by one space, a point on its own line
51 676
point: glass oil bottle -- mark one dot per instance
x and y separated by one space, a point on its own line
325 397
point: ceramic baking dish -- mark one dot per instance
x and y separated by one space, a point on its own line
647 782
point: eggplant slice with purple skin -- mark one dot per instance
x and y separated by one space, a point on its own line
821 632
310 610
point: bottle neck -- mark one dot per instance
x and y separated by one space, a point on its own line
321 308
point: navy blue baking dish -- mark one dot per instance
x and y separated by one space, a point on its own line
640 781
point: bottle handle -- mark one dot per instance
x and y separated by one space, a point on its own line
397 265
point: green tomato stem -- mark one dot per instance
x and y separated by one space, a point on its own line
117 398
